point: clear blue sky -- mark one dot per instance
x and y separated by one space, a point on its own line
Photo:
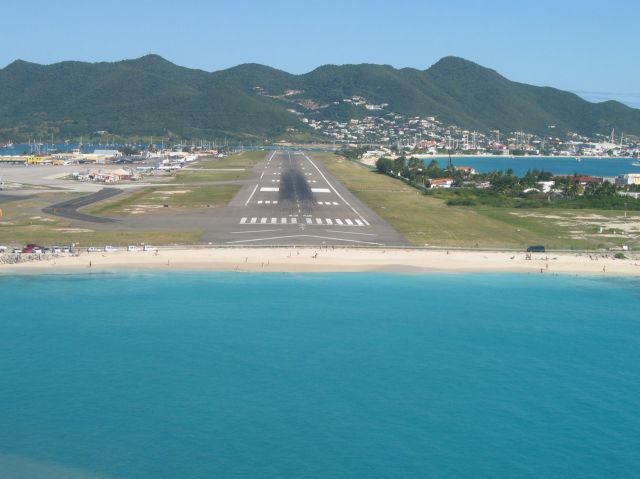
584 46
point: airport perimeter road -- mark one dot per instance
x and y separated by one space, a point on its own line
293 200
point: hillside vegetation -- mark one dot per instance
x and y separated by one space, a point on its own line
152 96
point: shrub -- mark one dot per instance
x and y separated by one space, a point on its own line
460 202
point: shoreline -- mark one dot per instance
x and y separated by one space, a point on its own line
333 260
514 157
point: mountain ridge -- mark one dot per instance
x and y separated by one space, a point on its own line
150 95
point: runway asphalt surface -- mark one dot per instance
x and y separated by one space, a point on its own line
293 200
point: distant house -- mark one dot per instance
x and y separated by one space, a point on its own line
583 180
546 186
466 169
441 183
588 180
107 153
120 175
632 179
101 176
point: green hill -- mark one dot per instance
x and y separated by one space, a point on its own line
151 96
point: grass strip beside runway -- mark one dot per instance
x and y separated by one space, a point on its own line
167 199
424 220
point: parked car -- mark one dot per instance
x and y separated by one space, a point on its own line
56 249
93 249
3 249
110 249
27 249
66 249
17 250
132 248
536 249
149 248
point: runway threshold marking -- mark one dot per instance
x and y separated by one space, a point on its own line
331 186
309 220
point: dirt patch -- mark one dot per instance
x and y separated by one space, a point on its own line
173 192
74 230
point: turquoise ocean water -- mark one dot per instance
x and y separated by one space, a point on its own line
206 375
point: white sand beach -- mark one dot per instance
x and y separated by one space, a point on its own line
309 259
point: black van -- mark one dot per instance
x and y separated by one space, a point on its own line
536 249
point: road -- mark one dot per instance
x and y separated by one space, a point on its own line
69 208
293 200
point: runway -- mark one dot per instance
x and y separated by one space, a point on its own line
293 200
